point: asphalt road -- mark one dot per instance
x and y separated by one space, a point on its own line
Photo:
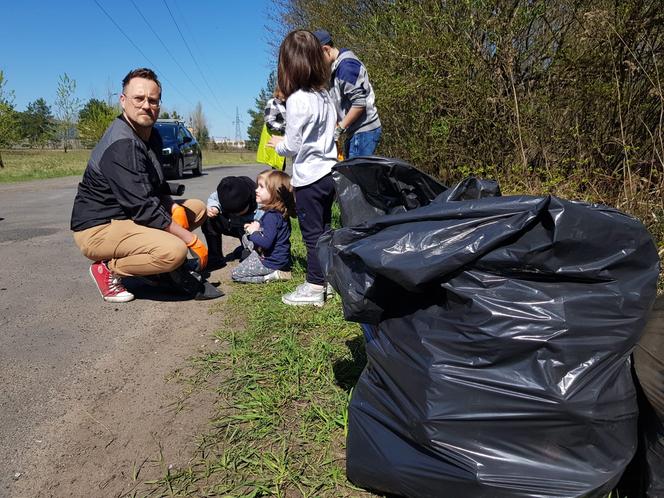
54 327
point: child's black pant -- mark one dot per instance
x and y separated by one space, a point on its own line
213 229
314 212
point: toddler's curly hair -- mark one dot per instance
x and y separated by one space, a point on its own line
278 184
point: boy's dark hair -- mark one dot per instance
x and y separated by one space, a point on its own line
301 64
141 72
237 194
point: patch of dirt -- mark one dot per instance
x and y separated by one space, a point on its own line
121 421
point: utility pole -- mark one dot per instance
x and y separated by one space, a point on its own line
237 122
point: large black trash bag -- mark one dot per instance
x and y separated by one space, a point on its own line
499 332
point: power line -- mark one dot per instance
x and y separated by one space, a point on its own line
192 38
190 32
166 48
194 59
140 51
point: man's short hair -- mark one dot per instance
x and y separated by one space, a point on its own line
323 37
141 72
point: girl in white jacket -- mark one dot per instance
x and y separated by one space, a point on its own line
303 76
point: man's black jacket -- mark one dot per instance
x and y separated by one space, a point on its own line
123 180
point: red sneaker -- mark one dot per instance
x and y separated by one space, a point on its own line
110 287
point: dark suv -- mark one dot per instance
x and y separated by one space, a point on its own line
180 150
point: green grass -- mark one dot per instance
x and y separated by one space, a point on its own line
282 413
38 164
35 164
211 157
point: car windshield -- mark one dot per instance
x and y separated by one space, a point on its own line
167 131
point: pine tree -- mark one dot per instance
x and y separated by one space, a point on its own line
37 122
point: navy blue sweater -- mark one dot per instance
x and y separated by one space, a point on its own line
274 240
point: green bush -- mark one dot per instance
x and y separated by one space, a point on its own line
546 97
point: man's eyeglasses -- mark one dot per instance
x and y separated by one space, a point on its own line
138 101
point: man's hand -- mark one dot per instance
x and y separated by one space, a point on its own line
179 215
212 212
199 250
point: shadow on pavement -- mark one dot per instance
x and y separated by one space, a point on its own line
149 292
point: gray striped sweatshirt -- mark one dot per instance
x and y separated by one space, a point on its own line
351 88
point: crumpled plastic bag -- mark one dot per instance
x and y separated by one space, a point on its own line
499 332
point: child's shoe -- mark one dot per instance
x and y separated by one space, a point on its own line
277 275
305 294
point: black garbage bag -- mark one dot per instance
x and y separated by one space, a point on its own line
498 337
382 186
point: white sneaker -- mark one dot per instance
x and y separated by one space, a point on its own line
277 275
305 294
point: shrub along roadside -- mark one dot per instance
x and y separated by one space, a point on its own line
545 97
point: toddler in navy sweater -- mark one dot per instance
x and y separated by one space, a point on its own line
269 238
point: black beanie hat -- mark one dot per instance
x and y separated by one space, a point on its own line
236 193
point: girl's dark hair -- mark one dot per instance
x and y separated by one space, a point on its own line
301 64
278 184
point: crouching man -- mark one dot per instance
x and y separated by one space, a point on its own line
123 217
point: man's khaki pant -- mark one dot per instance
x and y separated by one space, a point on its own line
132 249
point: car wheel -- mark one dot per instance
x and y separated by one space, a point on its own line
179 170
198 169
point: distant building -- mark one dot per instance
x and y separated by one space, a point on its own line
229 142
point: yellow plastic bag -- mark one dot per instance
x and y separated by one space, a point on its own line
267 155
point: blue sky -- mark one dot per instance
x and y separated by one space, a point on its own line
41 40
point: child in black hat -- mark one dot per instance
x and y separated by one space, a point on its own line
229 208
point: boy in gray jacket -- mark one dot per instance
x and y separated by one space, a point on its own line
229 208
354 99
